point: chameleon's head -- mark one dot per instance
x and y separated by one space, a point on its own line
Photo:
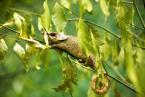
55 37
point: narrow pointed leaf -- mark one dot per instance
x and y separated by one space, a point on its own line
3 49
19 50
104 7
59 17
45 19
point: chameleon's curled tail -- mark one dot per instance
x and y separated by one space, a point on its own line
100 85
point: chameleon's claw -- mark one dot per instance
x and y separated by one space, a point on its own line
81 61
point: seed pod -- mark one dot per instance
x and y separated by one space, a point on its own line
100 86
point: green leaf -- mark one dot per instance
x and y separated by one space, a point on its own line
85 5
84 35
30 50
37 60
66 3
45 57
94 43
58 17
31 30
45 19
69 76
21 25
129 61
18 20
3 48
105 49
104 7
33 54
35 43
21 53
115 51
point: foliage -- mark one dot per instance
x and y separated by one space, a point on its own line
111 30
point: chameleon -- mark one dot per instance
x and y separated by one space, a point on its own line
70 45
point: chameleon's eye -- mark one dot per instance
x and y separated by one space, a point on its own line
53 34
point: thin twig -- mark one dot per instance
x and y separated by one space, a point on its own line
138 46
133 25
101 60
123 83
128 2
117 36
14 31
23 11
90 22
137 10
140 17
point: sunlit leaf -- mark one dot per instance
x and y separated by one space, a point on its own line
83 35
31 30
45 19
105 48
18 86
90 93
18 20
8 23
85 5
97 0
37 61
88 5
3 48
34 43
115 51
69 76
21 25
139 61
30 50
94 43
21 53
45 57
129 61
105 7
19 50
66 3
34 56
58 17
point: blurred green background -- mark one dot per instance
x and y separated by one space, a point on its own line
16 82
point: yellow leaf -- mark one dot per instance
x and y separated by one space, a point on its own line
85 5
19 50
18 20
21 25
45 19
3 48
105 7
58 17
83 35
66 3
34 43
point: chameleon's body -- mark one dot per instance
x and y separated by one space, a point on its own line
70 45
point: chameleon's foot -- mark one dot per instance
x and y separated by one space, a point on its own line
90 62
81 61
